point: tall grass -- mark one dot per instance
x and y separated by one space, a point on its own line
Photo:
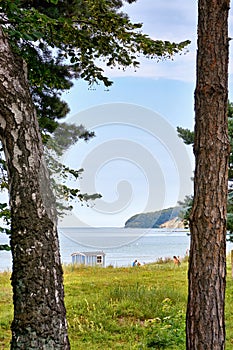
6 310
122 308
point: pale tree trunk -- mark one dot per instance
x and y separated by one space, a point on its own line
37 278
205 325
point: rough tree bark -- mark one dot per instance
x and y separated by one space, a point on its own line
37 278
205 325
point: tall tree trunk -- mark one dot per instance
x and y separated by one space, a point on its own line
205 325
37 278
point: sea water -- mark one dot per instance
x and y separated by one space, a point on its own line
121 246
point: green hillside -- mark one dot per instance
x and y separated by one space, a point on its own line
153 219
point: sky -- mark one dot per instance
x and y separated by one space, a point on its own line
136 161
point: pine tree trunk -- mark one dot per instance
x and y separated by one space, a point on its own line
205 325
37 278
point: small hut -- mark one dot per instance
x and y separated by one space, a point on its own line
89 258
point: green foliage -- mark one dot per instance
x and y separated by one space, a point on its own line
62 40
66 135
230 215
186 209
5 217
56 144
230 135
168 330
65 40
186 135
188 138
5 213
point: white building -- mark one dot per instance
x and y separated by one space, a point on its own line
89 258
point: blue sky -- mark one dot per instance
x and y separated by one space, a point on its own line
135 167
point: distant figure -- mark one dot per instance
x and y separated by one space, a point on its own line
176 260
136 263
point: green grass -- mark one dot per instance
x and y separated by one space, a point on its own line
122 308
6 310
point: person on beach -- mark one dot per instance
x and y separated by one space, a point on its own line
136 263
176 260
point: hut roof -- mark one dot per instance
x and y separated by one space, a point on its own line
89 253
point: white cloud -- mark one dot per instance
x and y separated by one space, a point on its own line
170 20
165 19
175 21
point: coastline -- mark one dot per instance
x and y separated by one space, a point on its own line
121 246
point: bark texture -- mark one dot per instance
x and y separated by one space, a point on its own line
37 278
207 267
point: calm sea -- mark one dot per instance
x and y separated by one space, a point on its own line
122 246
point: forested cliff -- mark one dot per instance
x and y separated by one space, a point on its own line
153 219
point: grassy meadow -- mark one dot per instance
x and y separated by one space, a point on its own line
122 308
